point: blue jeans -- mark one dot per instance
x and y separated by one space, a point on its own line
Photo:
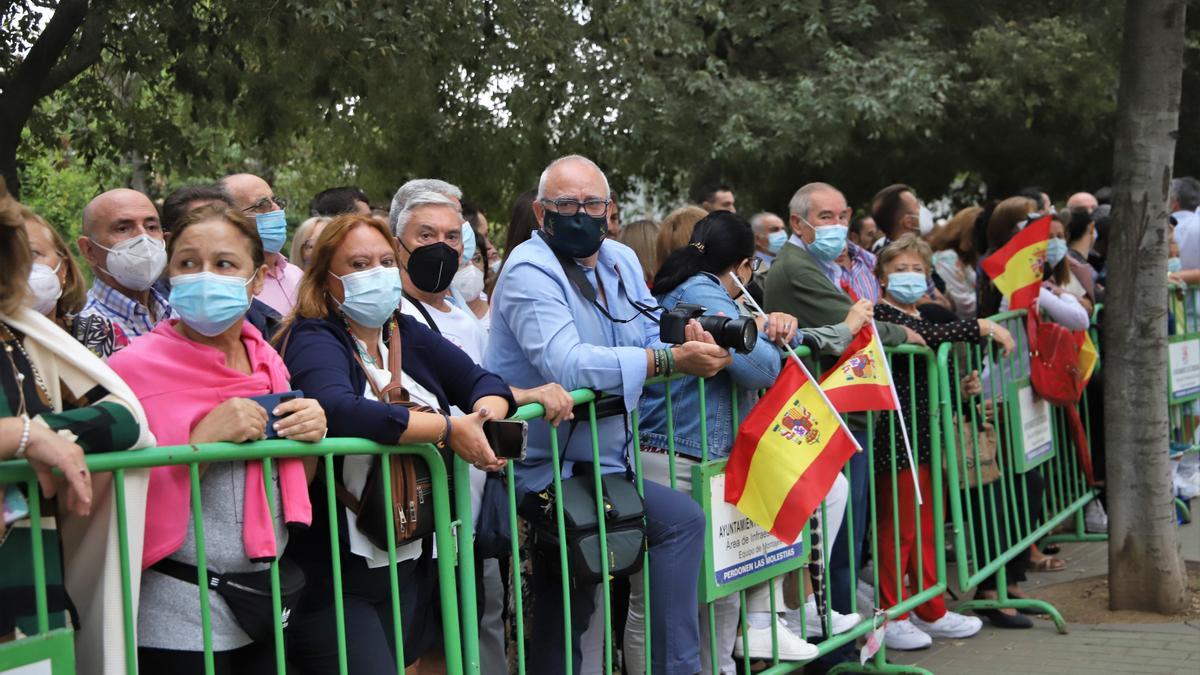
675 529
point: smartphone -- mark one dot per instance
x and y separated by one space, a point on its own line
269 402
507 437
15 506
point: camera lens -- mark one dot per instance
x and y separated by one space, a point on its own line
737 334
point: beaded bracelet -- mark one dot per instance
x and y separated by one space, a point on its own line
23 445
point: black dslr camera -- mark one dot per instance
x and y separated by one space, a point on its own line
737 334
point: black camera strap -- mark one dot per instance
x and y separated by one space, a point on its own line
424 312
580 281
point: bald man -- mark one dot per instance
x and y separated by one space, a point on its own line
1083 200
123 243
254 197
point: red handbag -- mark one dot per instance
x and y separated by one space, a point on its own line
1056 376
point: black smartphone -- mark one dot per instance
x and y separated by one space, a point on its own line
507 438
269 402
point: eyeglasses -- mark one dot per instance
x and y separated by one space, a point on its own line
595 208
755 263
264 205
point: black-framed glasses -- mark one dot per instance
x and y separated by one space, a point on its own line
595 208
755 263
265 204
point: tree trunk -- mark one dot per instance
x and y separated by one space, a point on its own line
1145 564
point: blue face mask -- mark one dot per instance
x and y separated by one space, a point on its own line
371 295
907 287
468 239
272 229
776 240
1174 265
829 243
209 303
1056 250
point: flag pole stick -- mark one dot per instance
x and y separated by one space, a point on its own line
900 415
792 353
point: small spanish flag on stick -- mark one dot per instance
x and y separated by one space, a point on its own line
1016 269
787 453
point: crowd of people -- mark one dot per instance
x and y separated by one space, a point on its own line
408 325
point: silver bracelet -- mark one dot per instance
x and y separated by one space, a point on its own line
24 444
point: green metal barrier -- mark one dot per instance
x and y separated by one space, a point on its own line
194 456
1182 393
996 520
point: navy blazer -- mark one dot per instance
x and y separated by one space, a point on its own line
320 355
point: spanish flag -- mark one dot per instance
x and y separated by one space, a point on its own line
787 453
861 379
1088 355
1016 269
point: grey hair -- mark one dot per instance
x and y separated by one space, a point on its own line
800 201
1186 190
541 192
758 220
418 200
411 188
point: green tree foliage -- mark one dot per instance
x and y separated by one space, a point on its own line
766 95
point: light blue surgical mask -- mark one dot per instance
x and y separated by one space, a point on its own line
830 241
272 229
1056 250
468 239
1174 265
209 303
907 287
370 296
776 240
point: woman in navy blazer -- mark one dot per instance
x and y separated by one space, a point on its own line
329 347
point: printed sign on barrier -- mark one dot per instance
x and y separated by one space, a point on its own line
738 553
1032 432
1184 369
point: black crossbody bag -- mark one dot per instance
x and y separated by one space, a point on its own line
248 594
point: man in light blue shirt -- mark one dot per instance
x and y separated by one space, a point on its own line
1185 198
545 329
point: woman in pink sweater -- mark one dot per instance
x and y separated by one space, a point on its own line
195 376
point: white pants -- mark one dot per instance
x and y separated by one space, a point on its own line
656 467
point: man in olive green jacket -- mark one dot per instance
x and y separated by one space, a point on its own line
804 281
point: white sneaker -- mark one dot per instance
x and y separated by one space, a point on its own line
953 625
791 646
904 636
841 622
1094 517
866 597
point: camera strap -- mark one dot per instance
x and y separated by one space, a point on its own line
580 281
424 312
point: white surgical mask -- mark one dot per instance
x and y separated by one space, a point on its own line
44 287
136 263
925 221
494 266
468 282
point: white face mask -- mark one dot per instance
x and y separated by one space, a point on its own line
468 282
925 220
495 266
136 263
44 288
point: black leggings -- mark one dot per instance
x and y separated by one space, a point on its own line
255 657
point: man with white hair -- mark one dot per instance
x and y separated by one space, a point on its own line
428 229
454 194
769 237
1082 200
569 308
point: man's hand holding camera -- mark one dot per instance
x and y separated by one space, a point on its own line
699 354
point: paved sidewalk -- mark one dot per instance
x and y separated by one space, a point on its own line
1090 649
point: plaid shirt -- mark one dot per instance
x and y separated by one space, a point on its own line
133 318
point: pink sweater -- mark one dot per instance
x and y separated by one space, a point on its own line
178 383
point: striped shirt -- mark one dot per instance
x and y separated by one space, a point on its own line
130 316
861 275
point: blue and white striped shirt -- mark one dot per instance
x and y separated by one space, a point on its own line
133 317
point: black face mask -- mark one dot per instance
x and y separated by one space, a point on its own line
577 236
432 267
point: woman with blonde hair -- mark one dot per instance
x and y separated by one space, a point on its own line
642 237
675 231
57 290
305 240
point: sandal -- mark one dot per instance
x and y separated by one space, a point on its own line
1051 549
1048 564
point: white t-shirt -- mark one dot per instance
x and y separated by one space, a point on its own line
463 330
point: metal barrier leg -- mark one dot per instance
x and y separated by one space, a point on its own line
1003 601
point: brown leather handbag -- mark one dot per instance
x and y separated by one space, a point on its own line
411 482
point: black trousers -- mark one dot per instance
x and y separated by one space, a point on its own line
256 657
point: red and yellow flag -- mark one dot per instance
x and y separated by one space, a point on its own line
787 453
1016 269
861 379
1088 356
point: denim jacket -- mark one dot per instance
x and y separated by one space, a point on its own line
748 372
